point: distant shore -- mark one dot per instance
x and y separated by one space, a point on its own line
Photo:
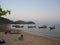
29 39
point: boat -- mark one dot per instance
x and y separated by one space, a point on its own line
44 26
31 26
51 28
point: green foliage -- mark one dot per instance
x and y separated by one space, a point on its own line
3 12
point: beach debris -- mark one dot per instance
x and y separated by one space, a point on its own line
2 41
15 39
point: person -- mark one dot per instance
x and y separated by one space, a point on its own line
6 31
21 37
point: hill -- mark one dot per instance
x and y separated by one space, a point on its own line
23 22
5 21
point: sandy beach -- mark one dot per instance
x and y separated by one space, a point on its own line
29 39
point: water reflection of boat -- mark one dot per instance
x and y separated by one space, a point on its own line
44 26
17 26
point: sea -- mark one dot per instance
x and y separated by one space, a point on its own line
41 32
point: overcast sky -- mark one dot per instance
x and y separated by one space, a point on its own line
33 10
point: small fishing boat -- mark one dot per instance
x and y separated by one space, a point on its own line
44 26
51 28
31 26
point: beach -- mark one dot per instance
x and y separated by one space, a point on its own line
29 39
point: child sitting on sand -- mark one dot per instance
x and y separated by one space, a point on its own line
21 37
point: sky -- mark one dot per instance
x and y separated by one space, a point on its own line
42 11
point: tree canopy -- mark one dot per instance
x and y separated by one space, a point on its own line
3 12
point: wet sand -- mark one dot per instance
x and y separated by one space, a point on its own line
29 39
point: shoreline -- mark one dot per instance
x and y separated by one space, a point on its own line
46 36
29 39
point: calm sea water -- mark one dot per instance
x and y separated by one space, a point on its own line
37 31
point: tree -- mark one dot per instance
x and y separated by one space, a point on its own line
3 12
